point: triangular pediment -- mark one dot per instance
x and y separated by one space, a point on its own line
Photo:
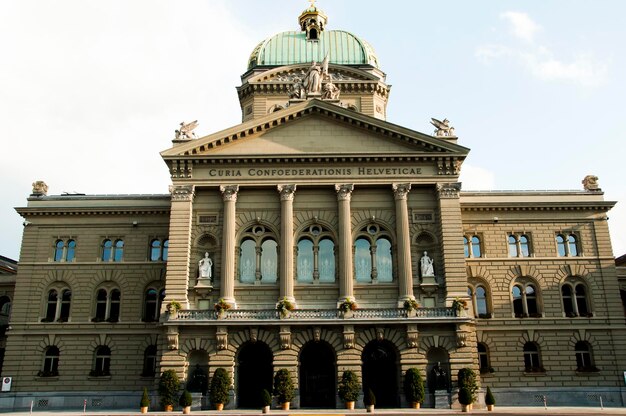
315 127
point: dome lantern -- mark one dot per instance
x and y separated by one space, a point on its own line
312 21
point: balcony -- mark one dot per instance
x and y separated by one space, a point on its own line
308 316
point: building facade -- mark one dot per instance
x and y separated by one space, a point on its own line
317 237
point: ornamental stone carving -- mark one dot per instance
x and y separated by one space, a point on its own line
344 191
182 192
229 192
222 338
317 334
380 334
172 338
412 336
186 131
285 338
40 188
443 128
449 190
590 183
348 337
330 91
461 339
401 190
254 334
287 192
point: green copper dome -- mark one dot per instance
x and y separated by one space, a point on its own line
288 48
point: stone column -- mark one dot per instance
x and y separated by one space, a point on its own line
179 245
344 194
405 274
451 241
229 195
286 241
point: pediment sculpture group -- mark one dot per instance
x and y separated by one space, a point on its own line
316 83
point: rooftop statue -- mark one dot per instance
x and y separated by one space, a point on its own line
331 91
590 183
186 130
443 128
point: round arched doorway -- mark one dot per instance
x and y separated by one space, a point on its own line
254 373
380 373
317 375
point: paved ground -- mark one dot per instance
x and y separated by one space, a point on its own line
508 411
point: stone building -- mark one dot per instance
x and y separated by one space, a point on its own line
318 237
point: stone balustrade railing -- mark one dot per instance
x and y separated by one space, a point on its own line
365 314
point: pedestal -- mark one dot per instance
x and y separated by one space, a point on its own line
442 399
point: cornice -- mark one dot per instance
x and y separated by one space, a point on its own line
539 206
48 211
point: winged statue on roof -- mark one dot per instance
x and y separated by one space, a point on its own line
443 127
186 130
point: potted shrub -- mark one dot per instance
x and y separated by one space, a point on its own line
283 388
221 306
347 307
185 402
220 388
168 389
369 400
145 401
465 398
173 307
410 306
284 307
414 387
490 401
266 400
349 388
467 380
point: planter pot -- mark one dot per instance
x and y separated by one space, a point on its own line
411 313
284 406
348 314
370 408
169 407
490 407
465 408
144 409
186 410
415 405
219 406
266 409
350 405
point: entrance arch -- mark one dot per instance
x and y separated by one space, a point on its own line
254 373
380 373
318 375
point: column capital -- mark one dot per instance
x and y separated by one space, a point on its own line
344 191
182 192
401 190
229 192
449 190
286 192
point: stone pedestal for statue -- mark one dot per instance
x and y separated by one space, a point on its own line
203 286
442 399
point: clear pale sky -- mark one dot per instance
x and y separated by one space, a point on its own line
92 91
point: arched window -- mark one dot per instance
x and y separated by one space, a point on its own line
532 358
519 245
107 305
258 256
483 359
64 250
166 249
567 245
478 295
471 246
152 304
101 362
373 260
57 306
575 298
316 255
525 299
149 361
158 250
118 253
107 249
584 357
50 365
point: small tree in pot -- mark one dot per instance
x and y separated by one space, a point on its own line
467 379
369 400
168 389
465 398
266 400
414 387
185 402
283 388
490 401
349 388
145 401
220 388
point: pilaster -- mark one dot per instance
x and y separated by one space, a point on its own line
176 283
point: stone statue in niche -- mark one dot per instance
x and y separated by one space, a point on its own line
205 266
439 377
426 265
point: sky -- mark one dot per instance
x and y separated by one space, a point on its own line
92 91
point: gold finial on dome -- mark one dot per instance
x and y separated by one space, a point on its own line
312 21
